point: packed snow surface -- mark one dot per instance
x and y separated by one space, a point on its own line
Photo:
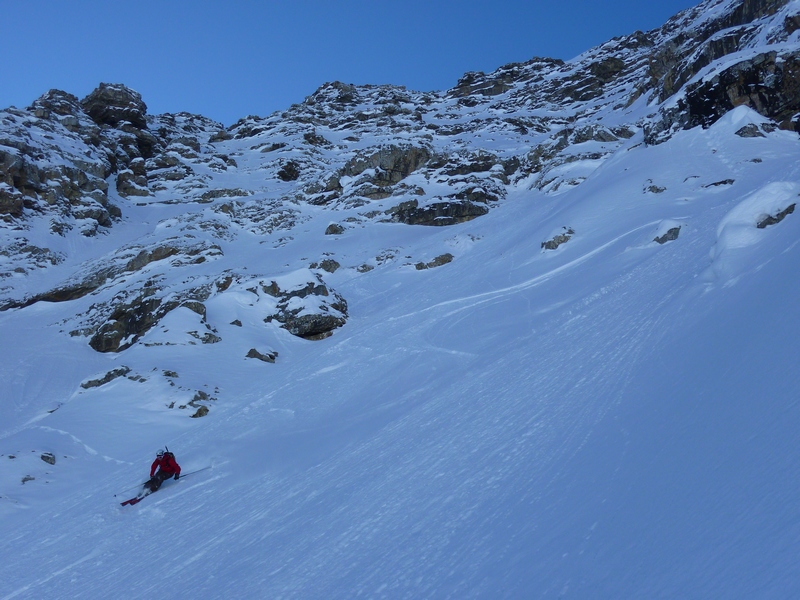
616 418
498 416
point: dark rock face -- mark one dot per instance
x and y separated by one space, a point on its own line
561 238
478 193
28 183
314 321
480 84
329 265
652 188
750 131
202 411
19 178
675 63
11 201
767 83
720 183
312 327
145 257
440 260
437 214
334 229
111 104
792 23
768 86
773 219
607 68
289 172
128 323
585 86
480 162
392 163
269 357
312 138
60 294
106 133
749 10
131 184
108 377
335 92
56 102
670 236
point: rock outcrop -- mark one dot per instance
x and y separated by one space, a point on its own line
268 357
440 260
111 104
558 239
670 236
437 213
769 83
776 218
310 311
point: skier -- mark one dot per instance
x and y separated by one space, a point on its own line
163 467
167 467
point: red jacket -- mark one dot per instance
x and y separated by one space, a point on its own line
167 464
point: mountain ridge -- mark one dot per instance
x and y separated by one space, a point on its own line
129 161
532 335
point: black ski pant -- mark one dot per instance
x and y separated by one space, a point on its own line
157 479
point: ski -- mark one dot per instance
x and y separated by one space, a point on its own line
132 501
137 499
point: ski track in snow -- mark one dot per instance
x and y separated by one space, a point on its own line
472 301
440 512
67 569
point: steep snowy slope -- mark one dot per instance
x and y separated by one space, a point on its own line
580 382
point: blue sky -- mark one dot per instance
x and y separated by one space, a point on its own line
228 60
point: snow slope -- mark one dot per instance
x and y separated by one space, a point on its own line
615 418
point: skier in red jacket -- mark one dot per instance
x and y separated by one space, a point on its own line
167 467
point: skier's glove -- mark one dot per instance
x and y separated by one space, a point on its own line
176 475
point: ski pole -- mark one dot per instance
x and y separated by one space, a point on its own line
181 477
193 472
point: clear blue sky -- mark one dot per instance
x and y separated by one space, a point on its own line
226 60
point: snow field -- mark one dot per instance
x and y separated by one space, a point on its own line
614 418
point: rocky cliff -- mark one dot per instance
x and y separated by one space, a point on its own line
72 171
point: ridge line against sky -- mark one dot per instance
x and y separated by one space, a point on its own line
259 57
